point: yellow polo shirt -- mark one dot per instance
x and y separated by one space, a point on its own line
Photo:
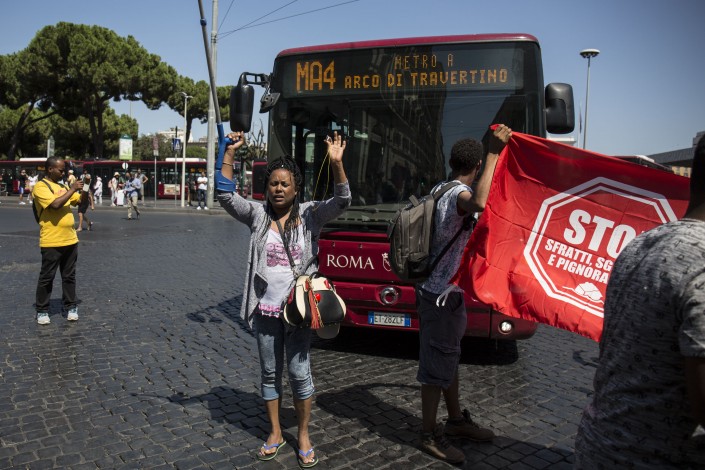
56 226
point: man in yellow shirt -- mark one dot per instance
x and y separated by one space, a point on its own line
57 238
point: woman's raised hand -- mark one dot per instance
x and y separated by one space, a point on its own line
336 147
238 139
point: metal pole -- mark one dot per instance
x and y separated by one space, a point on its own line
176 137
587 97
587 54
213 113
183 158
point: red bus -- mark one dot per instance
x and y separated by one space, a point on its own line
10 172
259 168
401 104
167 174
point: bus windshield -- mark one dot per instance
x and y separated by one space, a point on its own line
401 110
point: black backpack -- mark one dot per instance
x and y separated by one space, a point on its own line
35 208
410 236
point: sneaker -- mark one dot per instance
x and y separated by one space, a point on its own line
73 314
466 427
43 318
198 208
437 444
205 208
23 203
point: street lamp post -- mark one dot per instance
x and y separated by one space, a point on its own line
183 158
587 54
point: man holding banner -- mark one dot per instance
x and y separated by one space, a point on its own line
650 382
566 239
441 305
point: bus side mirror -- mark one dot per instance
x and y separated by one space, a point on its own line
242 100
560 110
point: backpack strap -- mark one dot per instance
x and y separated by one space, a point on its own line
468 223
37 208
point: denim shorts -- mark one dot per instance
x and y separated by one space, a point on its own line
274 338
440 330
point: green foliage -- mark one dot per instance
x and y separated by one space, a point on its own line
198 102
193 151
72 138
33 142
74 71
142 148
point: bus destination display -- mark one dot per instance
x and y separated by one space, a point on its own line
369 71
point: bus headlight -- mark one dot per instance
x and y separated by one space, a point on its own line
506 327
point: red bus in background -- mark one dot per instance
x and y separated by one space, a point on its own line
166 173
10 172
259 168
401 104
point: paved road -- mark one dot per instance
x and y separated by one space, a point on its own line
159 372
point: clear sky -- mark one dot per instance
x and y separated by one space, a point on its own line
647 86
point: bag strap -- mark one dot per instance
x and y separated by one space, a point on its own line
286 248
288 253
34 201
467 224
444 189
48 185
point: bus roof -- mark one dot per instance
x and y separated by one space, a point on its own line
463 38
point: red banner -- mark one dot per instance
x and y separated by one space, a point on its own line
554 223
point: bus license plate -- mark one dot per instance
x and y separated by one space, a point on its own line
389 319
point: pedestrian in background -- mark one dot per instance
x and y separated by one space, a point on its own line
31 181
86 201
22 185
113 186
650 380
270 279
98 191
57 239
132 191
143 181
202 183
441 306
71 178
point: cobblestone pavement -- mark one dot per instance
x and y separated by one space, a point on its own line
159 372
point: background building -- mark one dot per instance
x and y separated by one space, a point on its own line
681 160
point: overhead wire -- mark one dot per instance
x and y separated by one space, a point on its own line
226 14
250 25
261 17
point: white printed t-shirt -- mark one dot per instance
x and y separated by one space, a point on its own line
280 278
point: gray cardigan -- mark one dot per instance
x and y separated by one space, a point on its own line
313 216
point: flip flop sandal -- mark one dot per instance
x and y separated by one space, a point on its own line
304 455
264 456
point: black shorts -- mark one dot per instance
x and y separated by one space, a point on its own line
83 205
440 330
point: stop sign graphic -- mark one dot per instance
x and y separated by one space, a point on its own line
578 234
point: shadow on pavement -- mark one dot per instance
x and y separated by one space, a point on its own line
239 408
228 309
405 345
378 343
